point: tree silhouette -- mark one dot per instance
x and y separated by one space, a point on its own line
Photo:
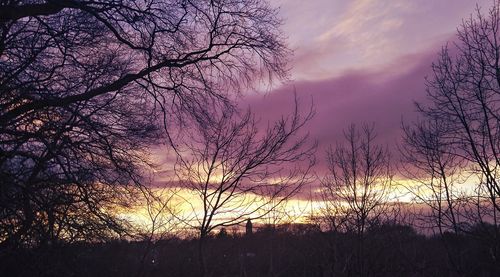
457 142
464 96
356 189
86 87
429 159
231 167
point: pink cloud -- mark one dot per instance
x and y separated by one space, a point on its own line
383 97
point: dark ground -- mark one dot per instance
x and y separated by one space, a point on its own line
298 250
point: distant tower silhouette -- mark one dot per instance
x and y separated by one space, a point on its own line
249 227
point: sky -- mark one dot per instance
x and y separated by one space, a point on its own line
333 37
361 61
357 61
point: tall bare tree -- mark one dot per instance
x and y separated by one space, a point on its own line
464 94
85 87
458 140
231 167
359 178
356 189
435 171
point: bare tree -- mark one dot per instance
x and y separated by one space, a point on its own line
431 163
85 87
454 151
356 189
359 178
464 95
429 160
231 166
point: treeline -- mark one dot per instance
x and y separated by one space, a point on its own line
287 250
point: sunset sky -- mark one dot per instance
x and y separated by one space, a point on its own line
255 137
358 61
362 60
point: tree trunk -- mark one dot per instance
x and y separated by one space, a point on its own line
201 255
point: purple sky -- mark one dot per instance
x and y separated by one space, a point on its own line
361 61
332 37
